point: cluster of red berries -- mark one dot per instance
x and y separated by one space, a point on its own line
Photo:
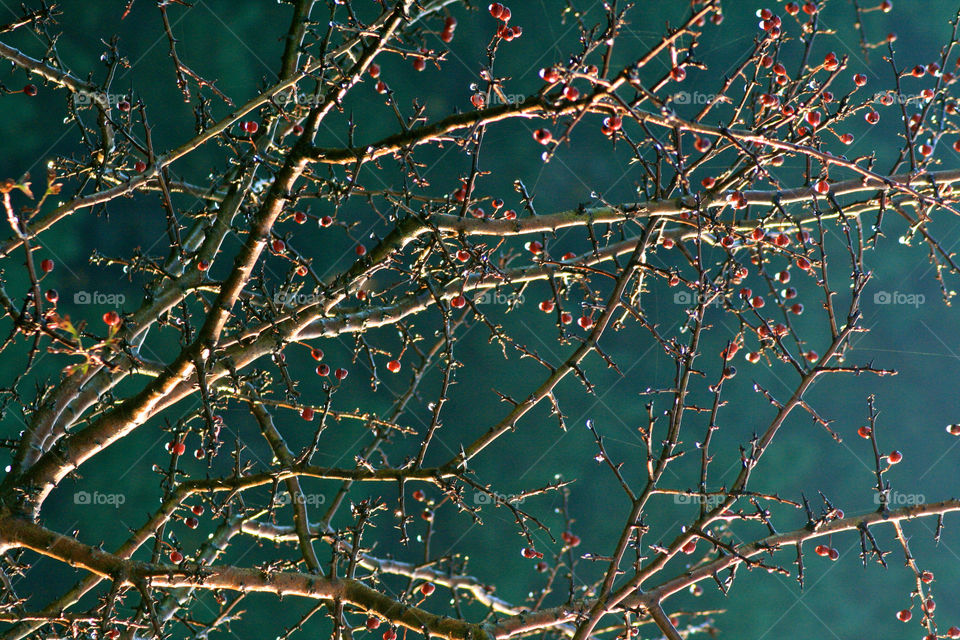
323 370
570 539
825 551
449 26
503 14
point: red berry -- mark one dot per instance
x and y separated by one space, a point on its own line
381 86
307 414
570 539
823 187
865 432
547 306
929 605
543 136
811 356
796 309
570 93
111 318
689 547
813 118
373 622
427 588
374 70
360 250
197 509
323 370
566 318
278 245
809 8
927 577
139 166
803 263
904 615
250 126
886 6
393 366
191 522
458 302
46 265
757 302
925 150
550 75
340 373
299 217
419 64
847 138
872 117
51 295
30 90
678 74
792 8
895 457
834 554
389 634
535 247
953 632
859 79
463 255
176 557
530 553
496 10
822 550
585 322
326 221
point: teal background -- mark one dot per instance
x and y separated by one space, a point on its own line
238 44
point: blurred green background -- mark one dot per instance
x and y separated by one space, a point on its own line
238 44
